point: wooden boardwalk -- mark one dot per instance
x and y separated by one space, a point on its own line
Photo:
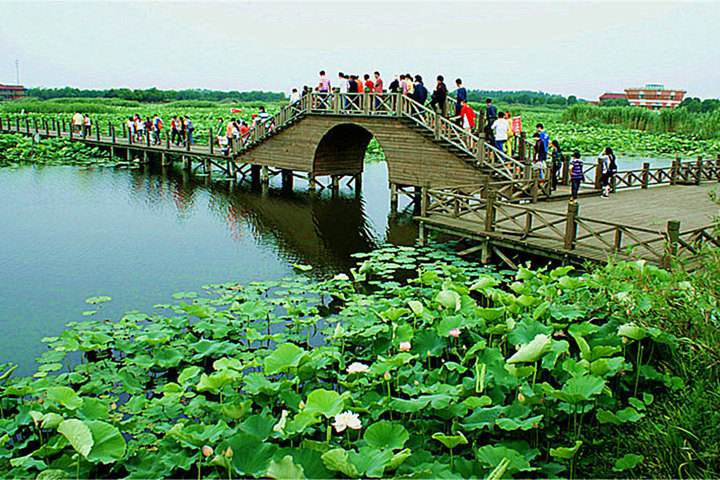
653 224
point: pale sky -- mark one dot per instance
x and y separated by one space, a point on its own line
574 47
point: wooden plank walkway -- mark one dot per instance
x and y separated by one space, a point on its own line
651 224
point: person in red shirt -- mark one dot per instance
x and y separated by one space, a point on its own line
369 84
378 86
467 116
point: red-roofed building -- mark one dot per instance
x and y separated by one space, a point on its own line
12 92
654 97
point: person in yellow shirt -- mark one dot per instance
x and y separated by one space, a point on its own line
510 135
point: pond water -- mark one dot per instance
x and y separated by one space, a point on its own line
141 235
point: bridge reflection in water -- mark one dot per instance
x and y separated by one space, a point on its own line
317 229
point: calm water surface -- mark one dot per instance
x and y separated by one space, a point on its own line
140 235
68 233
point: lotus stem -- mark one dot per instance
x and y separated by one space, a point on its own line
638 363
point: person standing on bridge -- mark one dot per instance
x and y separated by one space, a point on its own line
378 85
539 156
87 125
174 131
130 124
438 99
420 93
294 96
467 116
190 128
148 126
491 114
609 167
460 96
543 135
324 84
369 84
157 129
557 162
394 86
500 129
576 176
77 122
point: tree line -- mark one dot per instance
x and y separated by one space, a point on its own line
157 95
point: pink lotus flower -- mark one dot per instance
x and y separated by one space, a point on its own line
405 346
207 450
455 332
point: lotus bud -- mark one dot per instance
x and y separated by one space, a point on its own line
228 453
301 405
207 450
387 376
405 346
521 397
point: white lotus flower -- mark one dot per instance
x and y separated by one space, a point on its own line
280 425
357 367
341 276
405 346
345 420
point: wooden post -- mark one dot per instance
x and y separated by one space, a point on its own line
698 170
211 142
490 211
393 198
717 167
187 163
27 125
481 154
35 125
167 140
424 199
47 128
335 184
598 174
124 130
70 133
255 175
110 127
358 184
645 175
112 134
565 178
437 128
366 103
673 236
399 104
287 179
571 226
312 183
522 146
535 191
674 168
265 175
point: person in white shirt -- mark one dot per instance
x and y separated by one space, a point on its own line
294 96
500 128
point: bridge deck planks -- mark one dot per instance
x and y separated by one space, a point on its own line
650 209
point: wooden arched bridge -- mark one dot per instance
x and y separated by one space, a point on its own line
459 184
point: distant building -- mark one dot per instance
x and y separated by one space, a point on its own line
654 97
612 96
12 92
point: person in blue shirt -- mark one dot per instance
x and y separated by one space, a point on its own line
491 115
420 93
460 96
543 135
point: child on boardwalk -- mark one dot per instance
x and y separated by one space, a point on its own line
609 167
576 175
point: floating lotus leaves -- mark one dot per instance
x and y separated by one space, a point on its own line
285 469
283 358
65 396
97 300
386 435
533 351
450 441
78 434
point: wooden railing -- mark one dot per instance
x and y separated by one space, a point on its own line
677 173
562 232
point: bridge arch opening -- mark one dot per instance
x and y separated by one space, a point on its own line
343 148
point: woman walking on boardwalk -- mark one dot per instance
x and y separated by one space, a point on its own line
576 176
609 167
557 161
